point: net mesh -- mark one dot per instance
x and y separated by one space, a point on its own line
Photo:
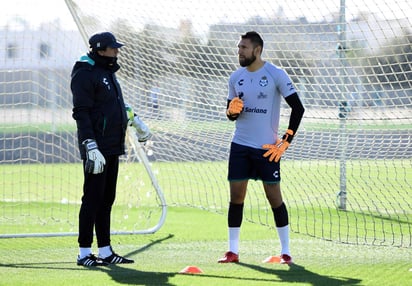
347 175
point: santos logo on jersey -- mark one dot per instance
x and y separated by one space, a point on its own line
263 81
256 110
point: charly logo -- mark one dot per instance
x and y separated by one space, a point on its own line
240 82
106 83
263 81
276 174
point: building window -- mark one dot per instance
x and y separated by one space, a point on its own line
11 51
44 50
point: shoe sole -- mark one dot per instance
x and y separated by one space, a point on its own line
94 264
226 261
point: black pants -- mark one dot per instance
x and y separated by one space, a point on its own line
99 192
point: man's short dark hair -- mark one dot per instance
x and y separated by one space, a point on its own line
254 38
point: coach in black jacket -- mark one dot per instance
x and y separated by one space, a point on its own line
101 119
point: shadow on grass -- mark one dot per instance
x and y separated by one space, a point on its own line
119 273
298 274
129 276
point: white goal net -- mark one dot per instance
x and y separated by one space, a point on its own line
347 176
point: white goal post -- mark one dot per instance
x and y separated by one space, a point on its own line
137 151
346 177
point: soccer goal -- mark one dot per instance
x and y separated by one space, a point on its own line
347 176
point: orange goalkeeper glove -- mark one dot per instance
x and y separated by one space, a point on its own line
275 151
235 107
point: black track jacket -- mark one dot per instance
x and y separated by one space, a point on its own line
98 105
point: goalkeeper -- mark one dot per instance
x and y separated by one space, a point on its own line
254 100
101 118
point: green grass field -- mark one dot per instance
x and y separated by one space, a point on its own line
192 237
45 198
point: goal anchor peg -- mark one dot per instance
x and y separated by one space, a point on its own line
272 259
191 270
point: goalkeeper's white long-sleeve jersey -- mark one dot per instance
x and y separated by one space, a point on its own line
261 92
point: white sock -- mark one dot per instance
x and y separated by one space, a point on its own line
283 233
84 251
234 233
105 251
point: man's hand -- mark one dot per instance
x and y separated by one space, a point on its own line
275 151
235 107
130 113
94 159
143 132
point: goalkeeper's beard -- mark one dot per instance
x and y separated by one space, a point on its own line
247 61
